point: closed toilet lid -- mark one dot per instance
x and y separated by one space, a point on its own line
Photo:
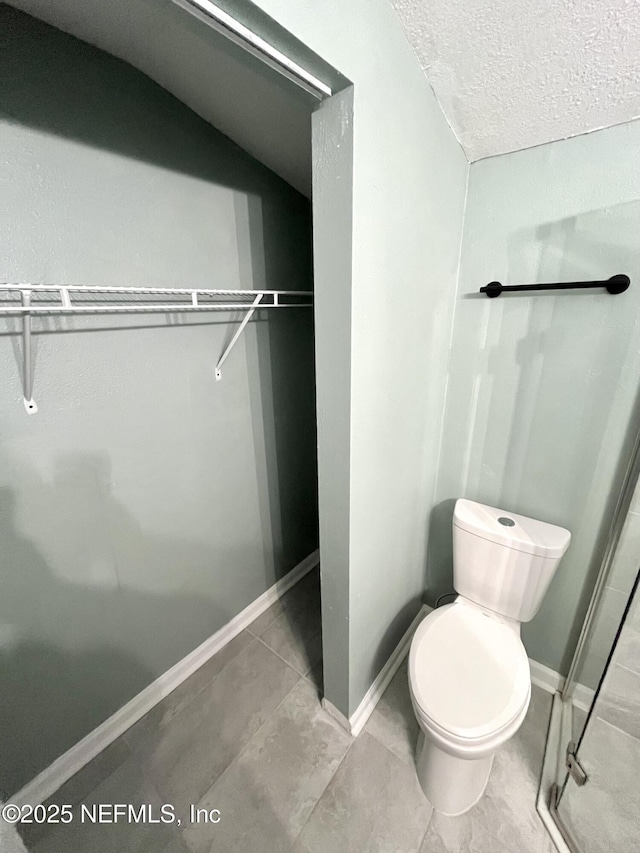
469 672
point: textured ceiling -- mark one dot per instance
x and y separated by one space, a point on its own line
510 74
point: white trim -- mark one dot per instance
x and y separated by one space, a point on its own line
583 697
64 767
357 720
543 676
224 23
373 695
551 681
337 715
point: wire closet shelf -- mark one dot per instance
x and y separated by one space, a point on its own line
26 300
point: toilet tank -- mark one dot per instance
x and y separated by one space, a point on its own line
503 561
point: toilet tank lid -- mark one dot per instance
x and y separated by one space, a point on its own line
510 529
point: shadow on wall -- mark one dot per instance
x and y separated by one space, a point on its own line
63 86
440 551
41 66
282 385
68 620
93 607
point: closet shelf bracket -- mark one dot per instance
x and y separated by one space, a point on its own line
238 332
27 359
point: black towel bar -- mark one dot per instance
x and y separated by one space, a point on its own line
615 284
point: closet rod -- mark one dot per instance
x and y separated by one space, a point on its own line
228 26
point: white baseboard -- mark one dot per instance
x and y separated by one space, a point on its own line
543 676
337 715
583 696
551 681
64 767
356 722
373 695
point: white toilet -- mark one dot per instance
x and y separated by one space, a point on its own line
468 669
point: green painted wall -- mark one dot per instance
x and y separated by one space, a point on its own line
332 215
145 504
542 400
409 183
613 600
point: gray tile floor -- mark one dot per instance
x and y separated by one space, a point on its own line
246 735
604 815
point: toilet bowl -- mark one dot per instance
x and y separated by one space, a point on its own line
469 676
470 689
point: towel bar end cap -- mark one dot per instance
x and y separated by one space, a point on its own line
618 284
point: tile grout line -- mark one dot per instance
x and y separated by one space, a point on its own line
269 718
284 698
617 728
246 746
426 832
326 787
388 748
626 669
131 756
301 677
405 764
352 740
267 627
124 734
290 665
257 636
135 756
284 610
350 747
177 830
133 753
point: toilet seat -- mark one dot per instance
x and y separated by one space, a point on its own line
469 675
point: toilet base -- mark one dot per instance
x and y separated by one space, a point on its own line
452 785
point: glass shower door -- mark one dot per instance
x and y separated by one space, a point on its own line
599 802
